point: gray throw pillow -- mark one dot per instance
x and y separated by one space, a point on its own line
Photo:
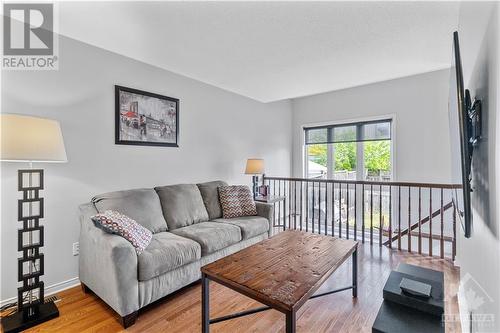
182 205
210 194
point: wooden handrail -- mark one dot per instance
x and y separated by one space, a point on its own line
422 222
367 182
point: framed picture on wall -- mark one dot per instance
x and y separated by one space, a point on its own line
145 119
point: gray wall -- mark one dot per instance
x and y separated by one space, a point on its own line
218 132
419 105
479 256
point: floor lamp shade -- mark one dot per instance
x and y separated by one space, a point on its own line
31 139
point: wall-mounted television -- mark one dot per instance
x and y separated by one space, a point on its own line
465 132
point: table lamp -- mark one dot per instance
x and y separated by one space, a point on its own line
30 139
255 167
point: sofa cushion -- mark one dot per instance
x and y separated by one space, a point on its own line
166 252
236 201
250 226
210 194
182 205
212 236
142 205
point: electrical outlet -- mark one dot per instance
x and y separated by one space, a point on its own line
76 249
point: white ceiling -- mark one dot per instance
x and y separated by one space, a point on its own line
271 51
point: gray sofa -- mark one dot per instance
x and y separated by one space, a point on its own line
188 232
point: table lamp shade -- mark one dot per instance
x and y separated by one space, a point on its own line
31 139
255 166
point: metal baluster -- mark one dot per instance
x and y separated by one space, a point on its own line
289 204
279 204
340 210
313 207
326 208
301 216
295 205
307 206
409 219
371 214
441 238
419 220
399 218
286 203
390 216
319 207
355 212
347 222
430 221
380 224
274 204
333 209
363 214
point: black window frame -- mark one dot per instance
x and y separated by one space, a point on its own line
359 132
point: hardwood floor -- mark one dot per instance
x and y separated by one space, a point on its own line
181 312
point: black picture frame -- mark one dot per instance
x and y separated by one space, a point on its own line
119 119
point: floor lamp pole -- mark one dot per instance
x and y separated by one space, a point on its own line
31 307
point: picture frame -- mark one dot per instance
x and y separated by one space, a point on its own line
145 119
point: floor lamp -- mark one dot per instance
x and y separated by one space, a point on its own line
30 139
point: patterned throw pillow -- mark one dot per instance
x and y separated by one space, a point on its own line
116 223
236 201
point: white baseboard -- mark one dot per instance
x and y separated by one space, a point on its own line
50 290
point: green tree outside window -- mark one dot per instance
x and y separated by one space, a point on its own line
377 155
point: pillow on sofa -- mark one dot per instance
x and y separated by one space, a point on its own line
236 201
182 205
122 225
210 194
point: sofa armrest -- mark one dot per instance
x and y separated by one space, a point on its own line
266 210
108 265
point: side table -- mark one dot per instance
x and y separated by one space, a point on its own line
274 199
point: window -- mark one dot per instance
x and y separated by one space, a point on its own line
356 151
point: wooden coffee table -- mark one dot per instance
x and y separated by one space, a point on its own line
282 272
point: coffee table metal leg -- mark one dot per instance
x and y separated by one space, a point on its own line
355 273
205 304
290 322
